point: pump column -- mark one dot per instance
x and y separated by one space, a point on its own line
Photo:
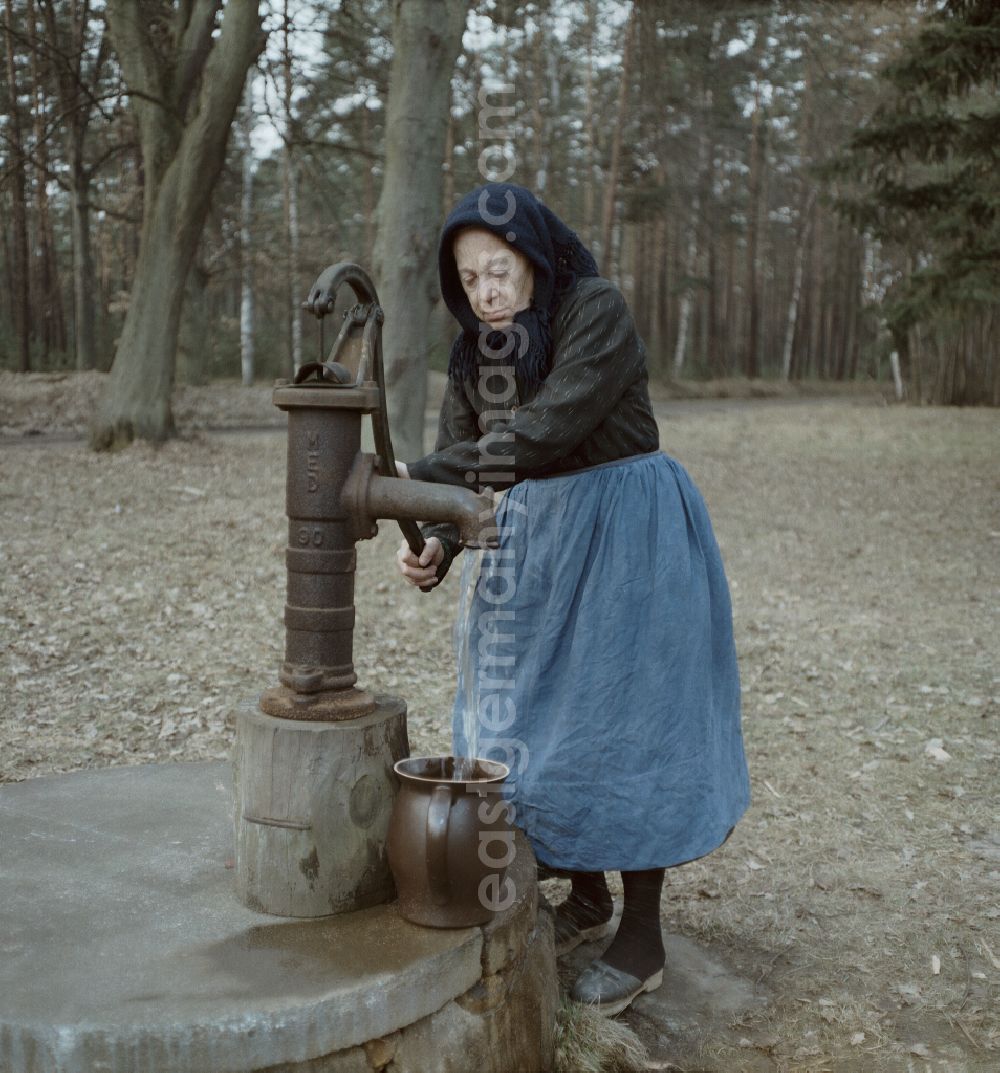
313 767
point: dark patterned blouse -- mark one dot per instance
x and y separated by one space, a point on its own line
593 407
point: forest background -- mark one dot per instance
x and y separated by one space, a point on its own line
782 190
789 194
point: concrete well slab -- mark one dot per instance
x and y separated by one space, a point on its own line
123 946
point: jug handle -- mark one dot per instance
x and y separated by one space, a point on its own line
438 813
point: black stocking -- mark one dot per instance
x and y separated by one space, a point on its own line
637 947
589 901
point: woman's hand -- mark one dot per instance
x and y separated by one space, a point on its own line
423 571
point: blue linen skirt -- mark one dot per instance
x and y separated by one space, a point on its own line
596 659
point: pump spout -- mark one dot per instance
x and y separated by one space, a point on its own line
394 497
369 496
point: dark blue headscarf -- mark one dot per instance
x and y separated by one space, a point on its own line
558 258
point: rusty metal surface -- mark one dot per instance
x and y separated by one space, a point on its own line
319 610
325 396
335 495
327 706
471 512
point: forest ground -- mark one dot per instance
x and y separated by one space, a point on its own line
142 596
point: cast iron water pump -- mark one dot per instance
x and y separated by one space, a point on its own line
314 779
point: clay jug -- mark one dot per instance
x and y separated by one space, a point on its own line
451 841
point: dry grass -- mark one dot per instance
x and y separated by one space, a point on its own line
586 1042
142 597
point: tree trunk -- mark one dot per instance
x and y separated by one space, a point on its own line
657 297
83 269
915 362
611 181
182 159
995 359
49 294
20 296
540 122
689 268
295 293
291 191
589 130
246 257
702 180
751 361
716 361
852 345
427 35
368 204
77 91
687 298
449 165
805 218
669 272
731 313
194 343
814 359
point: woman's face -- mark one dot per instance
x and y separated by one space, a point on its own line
497 279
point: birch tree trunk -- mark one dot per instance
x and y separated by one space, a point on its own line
246 256
184 100
368 181
687 298
796 298
691 258
751 359
291 191
427 36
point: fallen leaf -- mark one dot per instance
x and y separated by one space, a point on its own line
909 993
994 961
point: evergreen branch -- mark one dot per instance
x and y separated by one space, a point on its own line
952 53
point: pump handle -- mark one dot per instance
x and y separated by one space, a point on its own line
321 301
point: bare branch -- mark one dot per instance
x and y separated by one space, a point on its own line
194 46
140 63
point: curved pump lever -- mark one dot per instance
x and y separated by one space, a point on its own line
321 301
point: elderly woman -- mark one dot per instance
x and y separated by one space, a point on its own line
600 652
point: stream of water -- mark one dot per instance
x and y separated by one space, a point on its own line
468 680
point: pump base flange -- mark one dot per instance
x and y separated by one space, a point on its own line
326 706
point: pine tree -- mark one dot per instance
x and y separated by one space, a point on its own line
928 160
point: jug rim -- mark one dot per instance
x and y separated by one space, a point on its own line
499 770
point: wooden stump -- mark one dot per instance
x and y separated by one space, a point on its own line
313 801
